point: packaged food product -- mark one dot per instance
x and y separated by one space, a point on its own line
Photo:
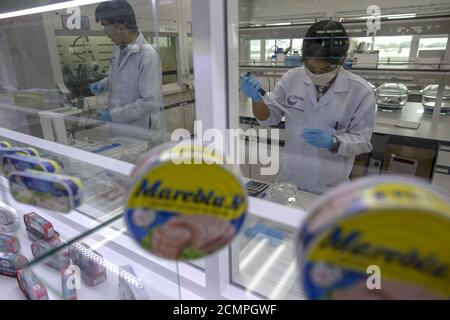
396 225
182 203
70 278
90 262
17 162
21 151
9 243
39 228
9 221
47 190
31 286
5 144
58 260
10 263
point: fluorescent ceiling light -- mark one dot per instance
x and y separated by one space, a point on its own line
47 8
279 24
389 16
401 16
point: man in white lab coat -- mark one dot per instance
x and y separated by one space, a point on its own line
330 112
134 83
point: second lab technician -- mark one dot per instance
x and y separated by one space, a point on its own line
334 111
134 83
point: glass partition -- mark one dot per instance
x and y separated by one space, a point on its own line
113 78
102 264
318 134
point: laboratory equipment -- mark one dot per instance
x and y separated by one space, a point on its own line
255 188
284 193
293 60
392 96
429 95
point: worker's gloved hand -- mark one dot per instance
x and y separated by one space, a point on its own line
104 116
97 87
250 87
318 138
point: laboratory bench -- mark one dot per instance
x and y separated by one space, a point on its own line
419 141
388 122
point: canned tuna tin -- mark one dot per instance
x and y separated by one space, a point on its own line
377 238
182 204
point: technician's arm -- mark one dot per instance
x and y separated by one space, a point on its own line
267 115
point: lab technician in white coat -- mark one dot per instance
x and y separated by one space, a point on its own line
134 83
330 111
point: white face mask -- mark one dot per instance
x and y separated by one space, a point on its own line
321 79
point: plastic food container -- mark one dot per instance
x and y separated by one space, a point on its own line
391 96
5 144
182 203
429 95
396 225
17 162
9 221
46 190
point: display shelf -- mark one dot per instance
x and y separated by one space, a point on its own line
385 123
102 260
382 68
98 222
10 289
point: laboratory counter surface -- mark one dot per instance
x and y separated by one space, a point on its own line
395 123
413 66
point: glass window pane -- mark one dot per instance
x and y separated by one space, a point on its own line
433 43
255 50
396 47
112 86
297 45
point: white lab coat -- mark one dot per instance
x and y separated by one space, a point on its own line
134 88
347 110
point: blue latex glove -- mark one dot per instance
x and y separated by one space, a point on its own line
104 116
318 138
250 87
97 87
